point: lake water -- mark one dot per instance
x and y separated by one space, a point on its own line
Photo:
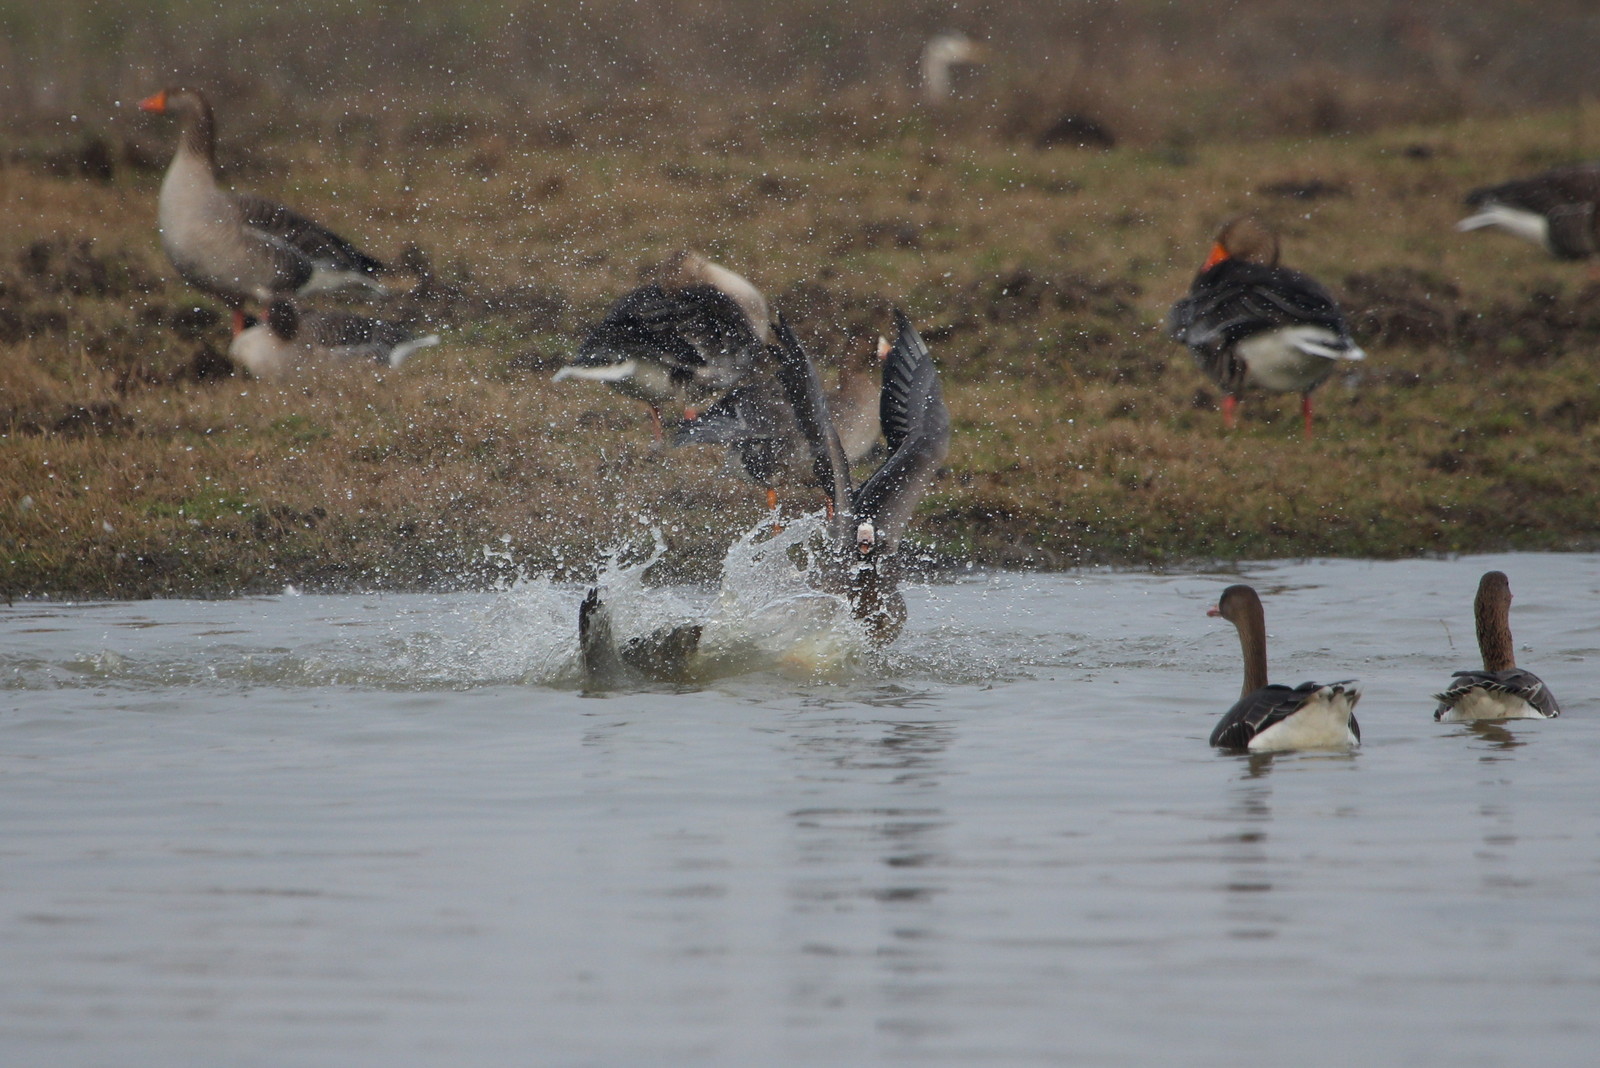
390 830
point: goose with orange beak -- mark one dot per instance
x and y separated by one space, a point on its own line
239 247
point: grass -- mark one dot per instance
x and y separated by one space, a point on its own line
134 462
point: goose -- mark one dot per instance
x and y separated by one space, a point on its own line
1501 690
1268 717
1556 210
239 247
941 53
861 560
1251 323
692 332
755 422
290 338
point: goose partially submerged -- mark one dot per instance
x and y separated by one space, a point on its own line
1501 690
1252 324
689 334
1270 717
290 339
1558 210
236 246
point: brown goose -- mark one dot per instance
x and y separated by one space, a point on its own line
1251 323
1501 690
755 422
694 330
1558 210
290 339
1269 717
236 246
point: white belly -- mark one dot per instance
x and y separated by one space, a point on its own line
1293 359
1322 723
1478 703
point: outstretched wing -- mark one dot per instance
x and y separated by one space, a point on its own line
916 426
804 391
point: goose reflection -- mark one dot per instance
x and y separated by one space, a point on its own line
1497 735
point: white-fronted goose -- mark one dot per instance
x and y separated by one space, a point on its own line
236 246
1267 717
1558 210
756 423
1251 323
1501 690
867 522
689 334
290 339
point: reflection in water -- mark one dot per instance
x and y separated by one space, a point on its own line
879 890
1498 737
1247 878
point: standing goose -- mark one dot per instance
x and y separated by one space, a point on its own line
755 421
236 246
1559 210
1268 717
1250 322
867 522
290 338
686 336
1501 690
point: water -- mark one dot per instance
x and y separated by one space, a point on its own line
391 831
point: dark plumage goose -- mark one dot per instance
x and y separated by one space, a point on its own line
663 656
290 338
1267 717
691 333
1558 210
756 423
236 246
1501 690
1251 323
867 522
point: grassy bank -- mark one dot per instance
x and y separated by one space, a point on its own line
134 461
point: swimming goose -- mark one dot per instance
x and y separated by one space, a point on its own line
1501 690
1249 322
1559 210
689 334
1267 717
867 522
236 246
755 421
290 338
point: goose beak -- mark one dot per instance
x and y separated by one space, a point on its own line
156 104
1215 611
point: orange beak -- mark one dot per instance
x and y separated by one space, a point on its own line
1218 254
156 103
1215 611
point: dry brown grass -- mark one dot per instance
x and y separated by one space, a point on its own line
1040 279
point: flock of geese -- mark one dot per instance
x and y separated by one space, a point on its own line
701 339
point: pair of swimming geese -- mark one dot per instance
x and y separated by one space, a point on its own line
1322 716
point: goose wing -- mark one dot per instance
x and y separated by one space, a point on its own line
916 426
313 240
1514 682
803 389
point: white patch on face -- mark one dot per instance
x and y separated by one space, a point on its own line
866 537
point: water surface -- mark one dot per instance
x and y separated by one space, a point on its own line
390 830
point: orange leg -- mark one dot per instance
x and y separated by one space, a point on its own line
655 423
238 322
1230 411
1305 410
